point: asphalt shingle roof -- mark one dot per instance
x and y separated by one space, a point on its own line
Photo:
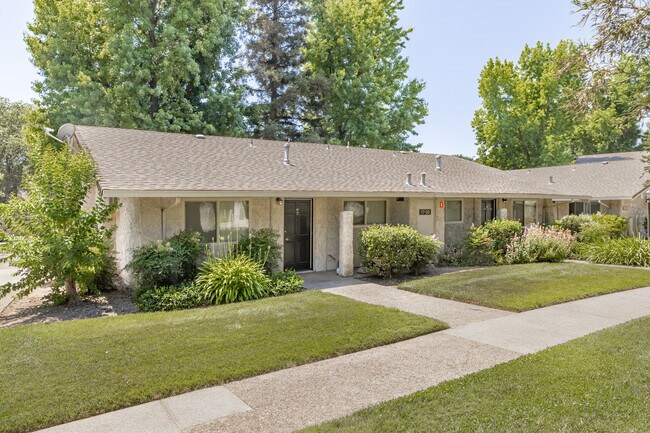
606 176
147 163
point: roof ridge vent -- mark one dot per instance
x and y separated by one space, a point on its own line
551 180
200 136
409 180
252 144
605 162
423 179
439 162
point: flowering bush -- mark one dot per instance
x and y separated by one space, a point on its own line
540 244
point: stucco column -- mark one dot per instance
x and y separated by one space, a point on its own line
346 244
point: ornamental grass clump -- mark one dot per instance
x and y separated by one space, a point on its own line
540 244
232 278
629 251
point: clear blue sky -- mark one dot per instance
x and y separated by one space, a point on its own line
450 43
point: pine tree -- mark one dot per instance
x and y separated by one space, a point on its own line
275 41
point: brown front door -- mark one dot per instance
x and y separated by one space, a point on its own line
297 234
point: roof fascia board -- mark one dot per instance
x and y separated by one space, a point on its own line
302 194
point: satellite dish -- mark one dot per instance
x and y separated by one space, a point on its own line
66 132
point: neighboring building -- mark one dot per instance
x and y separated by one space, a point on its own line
222 187
616 183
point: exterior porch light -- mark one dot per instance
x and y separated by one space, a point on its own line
647 196
279 201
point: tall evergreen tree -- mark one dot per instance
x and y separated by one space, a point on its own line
354 53
153 64
275 41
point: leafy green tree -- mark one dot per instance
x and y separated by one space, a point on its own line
527 118
150 64
354 52
275 41
56 239
12 148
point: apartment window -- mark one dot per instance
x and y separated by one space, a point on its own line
488 210
217 221
367 212
453 211
525 211
578 208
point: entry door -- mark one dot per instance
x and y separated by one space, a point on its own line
297 234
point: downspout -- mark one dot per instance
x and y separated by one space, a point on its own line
177 201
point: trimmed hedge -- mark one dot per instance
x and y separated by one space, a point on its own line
392 250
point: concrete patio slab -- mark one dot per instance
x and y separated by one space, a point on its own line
451 312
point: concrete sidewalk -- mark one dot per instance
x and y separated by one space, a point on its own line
293 398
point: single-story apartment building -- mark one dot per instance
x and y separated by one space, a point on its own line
318 195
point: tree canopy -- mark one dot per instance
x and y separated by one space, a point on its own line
55 237
149 64
275 41
12 146
356 45
527 118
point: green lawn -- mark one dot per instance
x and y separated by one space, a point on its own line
525 287
50 374
597 384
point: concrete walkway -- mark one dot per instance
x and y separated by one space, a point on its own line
289 399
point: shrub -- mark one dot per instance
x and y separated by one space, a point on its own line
232 278
628 251
573 223
589 228
284 283
102 278
493 237
263 246
603 226
540 244
462 255
166 263
388 250
168 298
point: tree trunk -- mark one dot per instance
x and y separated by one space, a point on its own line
71 291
